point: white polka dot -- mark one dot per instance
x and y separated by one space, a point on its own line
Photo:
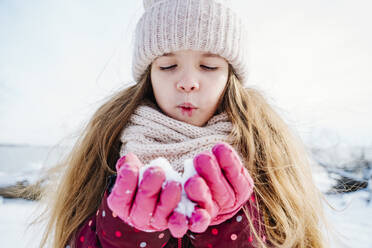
239 218
143 244
233 236
68 246
103 213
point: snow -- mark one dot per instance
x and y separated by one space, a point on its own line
163 163
322 180
351 220
6 180
23 162
15 216
185 206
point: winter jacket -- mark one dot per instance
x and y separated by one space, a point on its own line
105 230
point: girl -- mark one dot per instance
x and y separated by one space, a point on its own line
253 185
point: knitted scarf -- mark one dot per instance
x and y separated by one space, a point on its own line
151 134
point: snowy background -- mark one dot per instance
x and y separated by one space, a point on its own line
351 220
59 60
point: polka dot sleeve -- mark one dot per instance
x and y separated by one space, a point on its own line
105 230
233 233
86 236
114 232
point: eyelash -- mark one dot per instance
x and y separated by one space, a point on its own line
172 66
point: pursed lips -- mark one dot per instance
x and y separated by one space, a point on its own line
187 108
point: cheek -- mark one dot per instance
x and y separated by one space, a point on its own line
217 85
162 91
213 96
158 84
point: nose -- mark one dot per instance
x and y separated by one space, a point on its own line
187 86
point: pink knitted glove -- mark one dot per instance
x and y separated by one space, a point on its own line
138 205
221 188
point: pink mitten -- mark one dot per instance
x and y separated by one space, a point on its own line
138 205
220 189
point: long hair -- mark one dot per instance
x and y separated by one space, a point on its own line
278 162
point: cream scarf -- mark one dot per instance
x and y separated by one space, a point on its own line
150 134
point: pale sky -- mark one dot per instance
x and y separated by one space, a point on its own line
60 59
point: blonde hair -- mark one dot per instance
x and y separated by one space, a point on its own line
277 160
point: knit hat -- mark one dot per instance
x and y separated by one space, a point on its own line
202 25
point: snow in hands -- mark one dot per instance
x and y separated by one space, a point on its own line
185 206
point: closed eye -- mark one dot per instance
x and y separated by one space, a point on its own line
209 68
167 68
203 66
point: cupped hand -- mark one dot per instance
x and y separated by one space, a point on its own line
148 205
221 187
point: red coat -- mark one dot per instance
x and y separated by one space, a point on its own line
106 230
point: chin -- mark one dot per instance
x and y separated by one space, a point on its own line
195 123
195 120
188 121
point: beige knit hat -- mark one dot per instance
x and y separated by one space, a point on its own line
203 25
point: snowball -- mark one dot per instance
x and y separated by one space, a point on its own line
185 206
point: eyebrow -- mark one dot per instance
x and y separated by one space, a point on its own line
207 55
